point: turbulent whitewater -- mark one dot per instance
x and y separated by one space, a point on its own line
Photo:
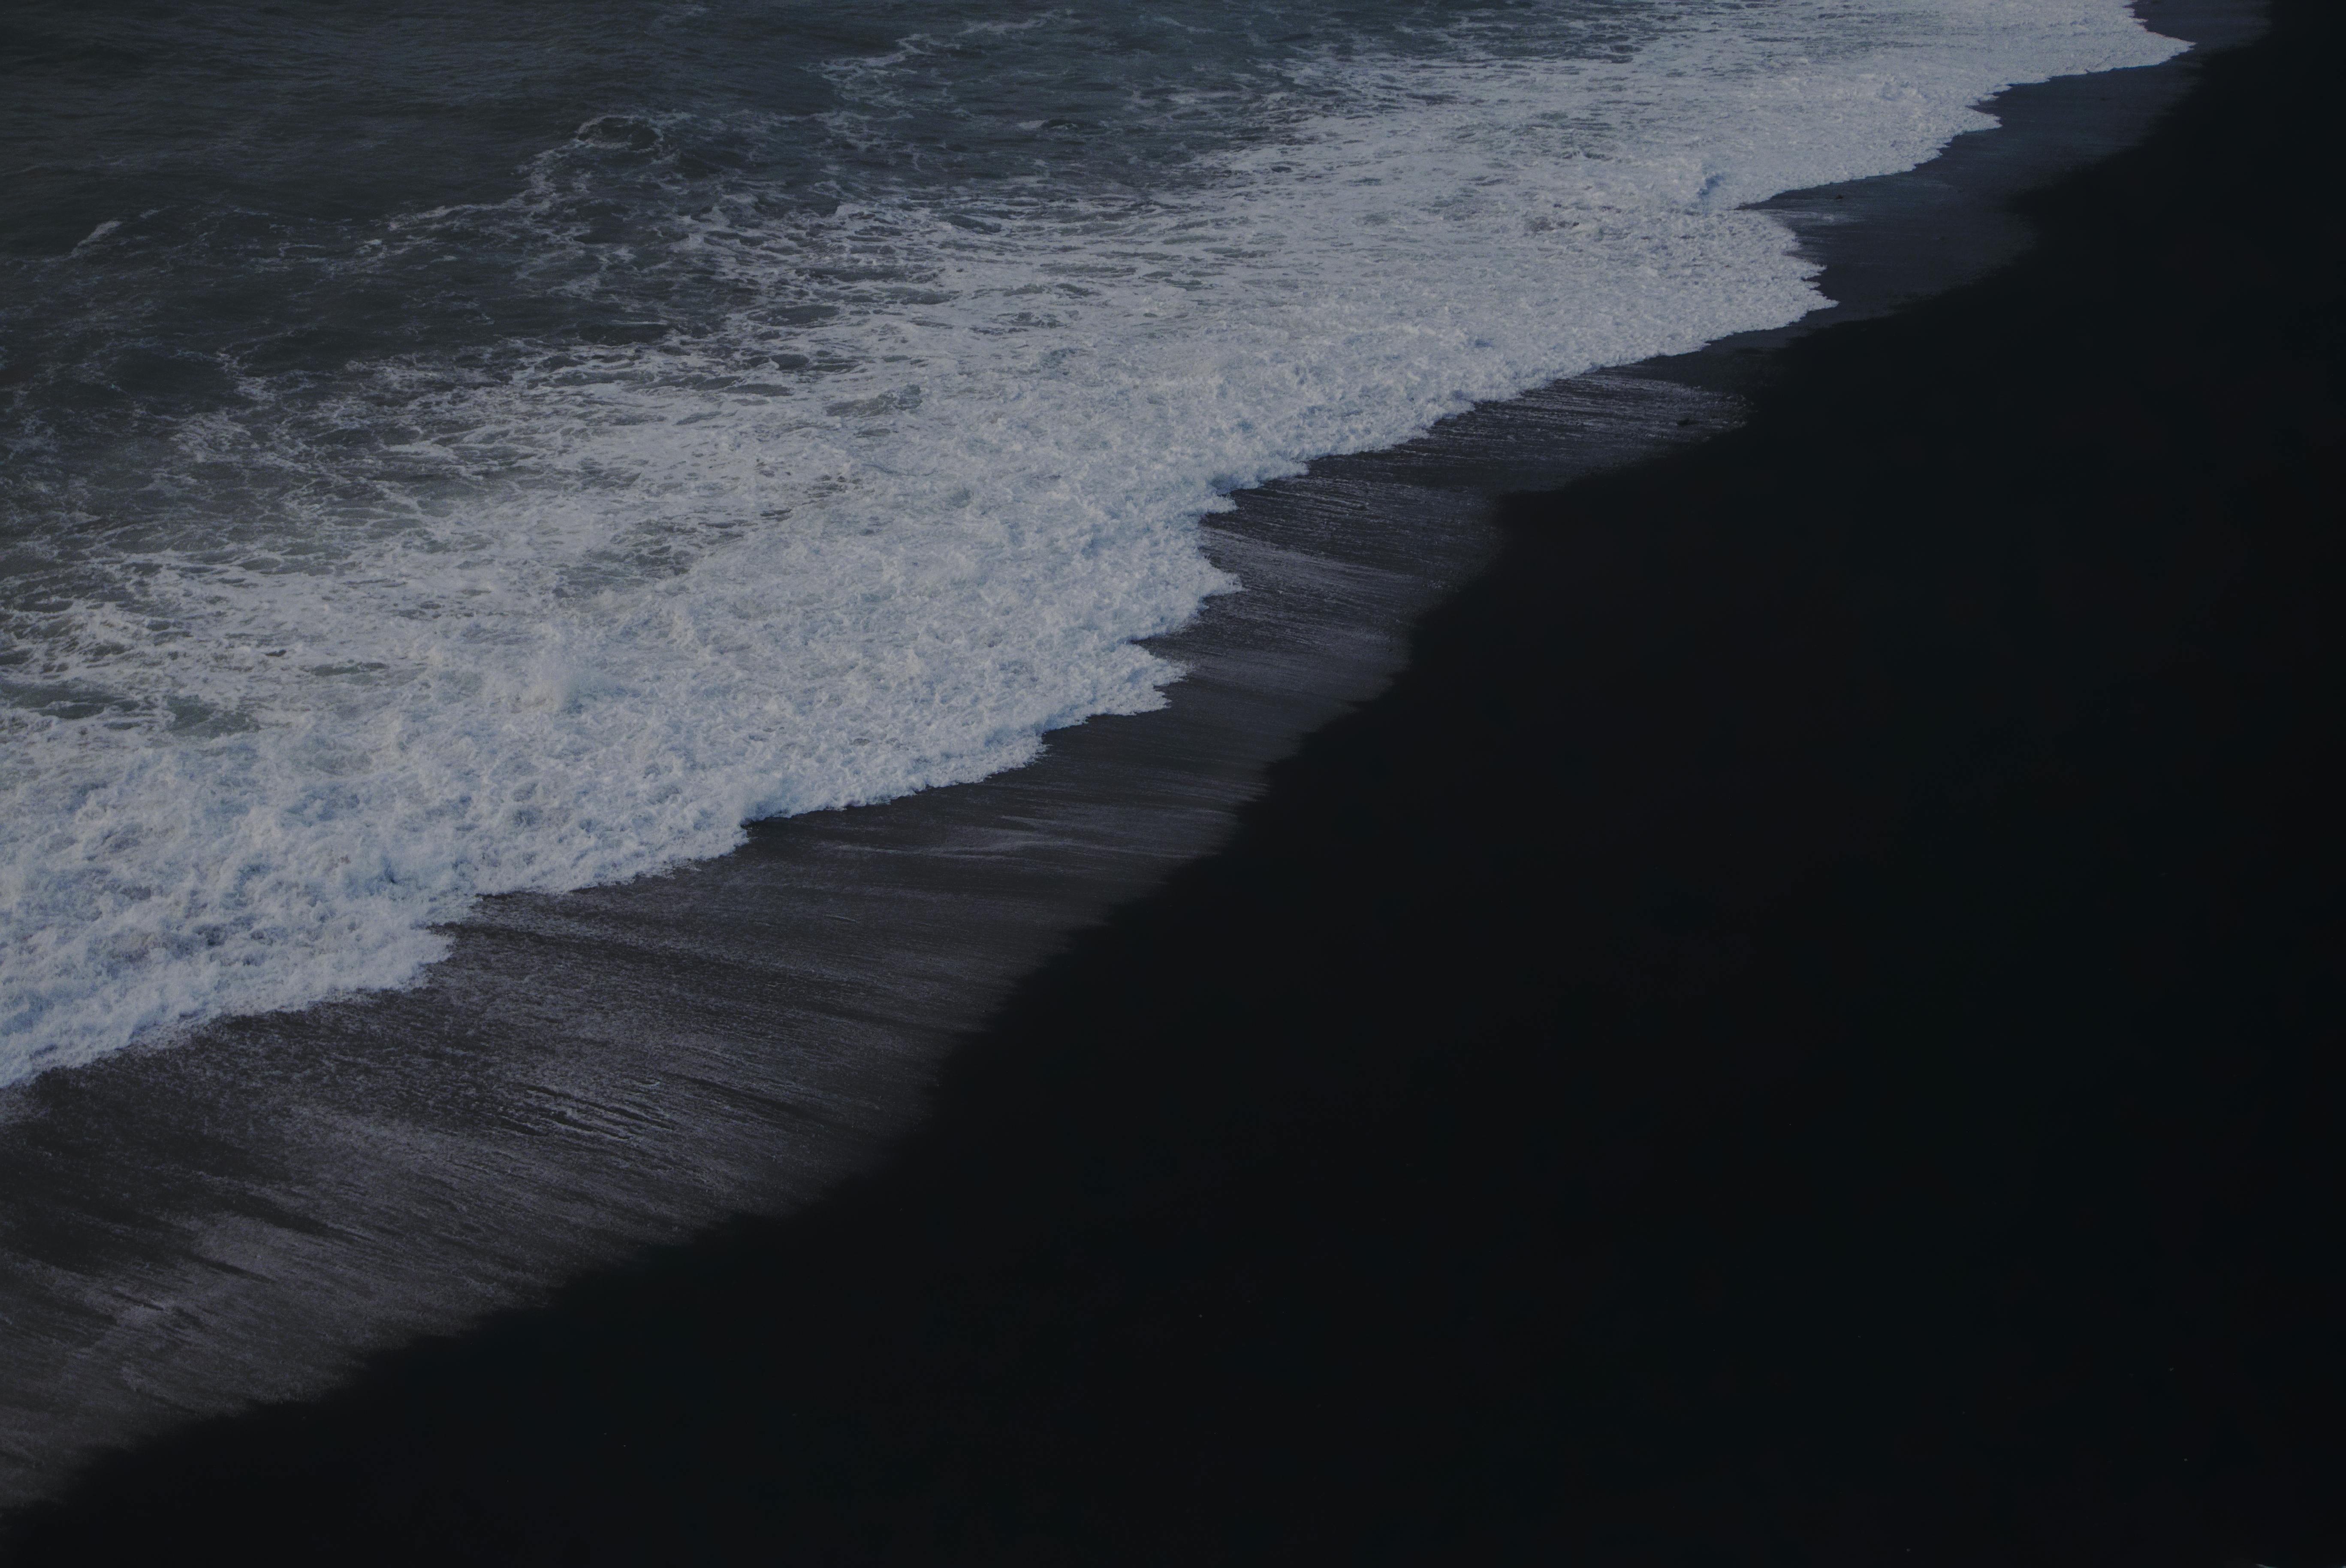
504 463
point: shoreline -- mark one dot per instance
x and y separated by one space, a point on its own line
987 1091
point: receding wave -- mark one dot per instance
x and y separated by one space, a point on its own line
772 486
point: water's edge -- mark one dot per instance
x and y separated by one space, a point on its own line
239 1216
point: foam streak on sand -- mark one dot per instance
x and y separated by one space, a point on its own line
885 489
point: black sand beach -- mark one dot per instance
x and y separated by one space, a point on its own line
1802 1028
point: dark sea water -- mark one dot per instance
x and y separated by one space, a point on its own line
465 464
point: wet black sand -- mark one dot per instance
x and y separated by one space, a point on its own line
1803 1028
237 1217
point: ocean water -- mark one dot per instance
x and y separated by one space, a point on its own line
448 451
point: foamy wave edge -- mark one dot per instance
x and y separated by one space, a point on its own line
980 529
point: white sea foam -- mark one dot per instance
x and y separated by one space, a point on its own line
553 618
